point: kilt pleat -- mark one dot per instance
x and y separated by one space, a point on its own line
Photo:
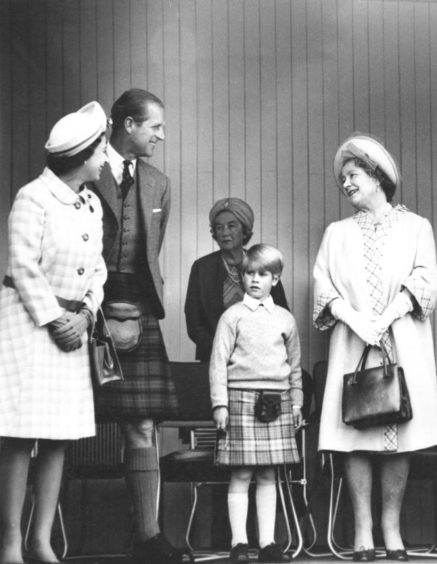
249 442
148 390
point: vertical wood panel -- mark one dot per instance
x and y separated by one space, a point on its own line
422 67
316 156
37 87
188 154
392 120
220 100
407 104
171 59
300 242
331 88
204 132
6 92
20 106
360 63
284 123
252 79
71 70
268 229
89 29
237 178
106 93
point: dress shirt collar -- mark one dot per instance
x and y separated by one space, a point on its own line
116 163
253 304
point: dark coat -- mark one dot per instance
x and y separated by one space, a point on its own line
204 301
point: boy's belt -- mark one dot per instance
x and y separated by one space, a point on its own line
69 305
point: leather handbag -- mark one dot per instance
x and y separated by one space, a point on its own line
375 396
104 361
268 406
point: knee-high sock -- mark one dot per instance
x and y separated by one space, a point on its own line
141 473
238 504
266 512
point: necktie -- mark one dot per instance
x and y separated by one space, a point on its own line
127 179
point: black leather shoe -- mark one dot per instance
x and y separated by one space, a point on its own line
158 550
366 555
272 553
400 555
239 554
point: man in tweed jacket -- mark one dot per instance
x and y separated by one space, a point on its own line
135 199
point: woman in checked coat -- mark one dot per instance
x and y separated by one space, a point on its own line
53 287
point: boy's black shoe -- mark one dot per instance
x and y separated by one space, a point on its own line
239 554
158 550
272 553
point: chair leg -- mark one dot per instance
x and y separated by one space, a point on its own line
61 524
284 509
194 496
333 507
299 546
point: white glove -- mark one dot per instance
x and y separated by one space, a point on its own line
400 306
359 322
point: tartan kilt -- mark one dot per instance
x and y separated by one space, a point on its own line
249 442
148 390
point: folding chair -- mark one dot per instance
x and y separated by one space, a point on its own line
196 464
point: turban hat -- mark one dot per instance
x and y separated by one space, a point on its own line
242 211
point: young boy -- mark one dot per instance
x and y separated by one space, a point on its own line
256 395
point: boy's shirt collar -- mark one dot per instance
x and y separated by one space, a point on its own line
254 304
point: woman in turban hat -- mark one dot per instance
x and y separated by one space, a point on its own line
215 281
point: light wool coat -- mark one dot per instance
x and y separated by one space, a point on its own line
409 261
55 245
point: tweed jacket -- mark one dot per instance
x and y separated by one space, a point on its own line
55 249
204 301
154 199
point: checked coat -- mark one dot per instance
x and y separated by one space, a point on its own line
54 247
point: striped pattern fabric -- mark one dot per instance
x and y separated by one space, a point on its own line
249 442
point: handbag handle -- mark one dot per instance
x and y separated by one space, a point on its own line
362 362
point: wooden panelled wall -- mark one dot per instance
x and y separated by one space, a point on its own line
258 95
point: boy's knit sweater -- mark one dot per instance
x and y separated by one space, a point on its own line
256 346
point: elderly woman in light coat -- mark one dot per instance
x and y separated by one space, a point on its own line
376 279
53 287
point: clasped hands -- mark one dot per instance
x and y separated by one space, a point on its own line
370 328
67 330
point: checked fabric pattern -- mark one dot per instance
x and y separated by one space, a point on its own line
374 238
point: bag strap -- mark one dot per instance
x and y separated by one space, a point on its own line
363 360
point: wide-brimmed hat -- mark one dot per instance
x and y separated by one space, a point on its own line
76 131
369 150
242 211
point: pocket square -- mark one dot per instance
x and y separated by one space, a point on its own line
156 210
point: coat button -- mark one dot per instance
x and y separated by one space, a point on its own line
80 271
77 205
85 236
